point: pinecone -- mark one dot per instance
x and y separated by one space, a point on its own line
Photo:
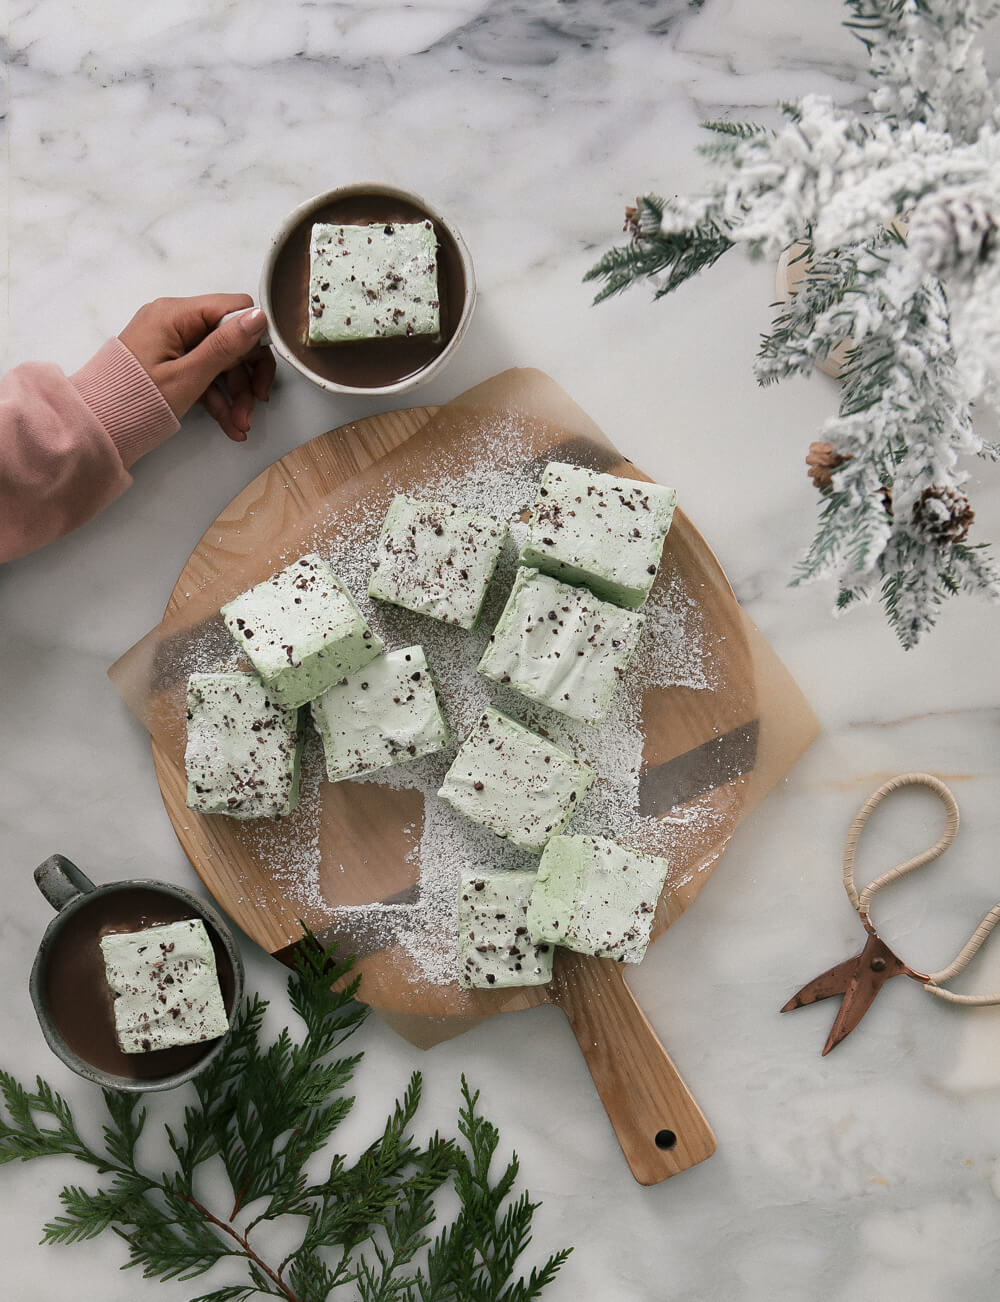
641 220
942 515
822 460
951 233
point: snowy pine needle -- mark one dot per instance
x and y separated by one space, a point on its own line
892 214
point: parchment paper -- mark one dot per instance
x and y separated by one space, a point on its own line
733 752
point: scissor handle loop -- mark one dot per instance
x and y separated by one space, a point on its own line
862 900
936 980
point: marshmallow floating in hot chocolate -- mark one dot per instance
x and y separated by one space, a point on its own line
166 986
375 281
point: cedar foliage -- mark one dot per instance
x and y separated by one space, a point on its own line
264 1113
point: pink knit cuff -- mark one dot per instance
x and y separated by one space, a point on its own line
119 392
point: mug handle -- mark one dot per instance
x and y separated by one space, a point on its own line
60 881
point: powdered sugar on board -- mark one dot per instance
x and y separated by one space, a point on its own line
674 651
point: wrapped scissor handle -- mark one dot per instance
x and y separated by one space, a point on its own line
933 982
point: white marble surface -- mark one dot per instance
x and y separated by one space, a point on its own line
152 149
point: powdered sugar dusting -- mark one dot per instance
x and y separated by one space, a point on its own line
291 848
672 652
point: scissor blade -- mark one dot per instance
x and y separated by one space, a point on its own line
874 966
834 981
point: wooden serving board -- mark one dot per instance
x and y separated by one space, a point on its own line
704 745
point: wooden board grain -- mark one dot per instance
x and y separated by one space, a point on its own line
699 745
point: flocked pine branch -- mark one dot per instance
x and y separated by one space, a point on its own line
654 252
891 217
264 1114
925 61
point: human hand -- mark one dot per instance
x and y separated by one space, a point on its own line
189 356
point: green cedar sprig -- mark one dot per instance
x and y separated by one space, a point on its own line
262 1113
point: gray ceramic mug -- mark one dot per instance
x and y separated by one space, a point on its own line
68 987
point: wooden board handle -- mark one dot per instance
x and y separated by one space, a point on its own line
659 1125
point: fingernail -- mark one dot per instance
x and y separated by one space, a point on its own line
253 320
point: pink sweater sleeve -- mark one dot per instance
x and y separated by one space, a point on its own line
67 442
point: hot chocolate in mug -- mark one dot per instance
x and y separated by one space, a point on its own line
69 987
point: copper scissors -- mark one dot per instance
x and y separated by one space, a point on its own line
859 979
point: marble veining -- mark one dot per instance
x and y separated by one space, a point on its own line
153 149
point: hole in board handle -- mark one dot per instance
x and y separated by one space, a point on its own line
665 1139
